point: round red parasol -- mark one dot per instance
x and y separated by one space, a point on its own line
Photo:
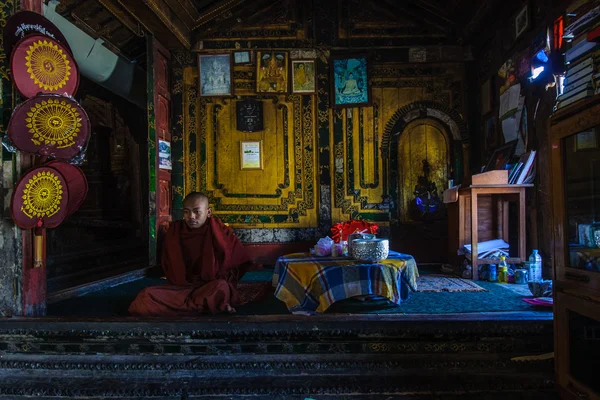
76 183
50 125
40 64
40 199
25 23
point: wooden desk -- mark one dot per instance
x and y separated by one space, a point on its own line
468 217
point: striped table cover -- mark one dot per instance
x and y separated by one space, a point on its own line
309 284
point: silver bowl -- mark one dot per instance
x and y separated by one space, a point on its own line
370 250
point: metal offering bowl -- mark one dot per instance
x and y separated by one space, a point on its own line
370 250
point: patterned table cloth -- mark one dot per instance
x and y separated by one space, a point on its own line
309 284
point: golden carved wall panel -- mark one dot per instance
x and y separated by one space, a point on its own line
282 193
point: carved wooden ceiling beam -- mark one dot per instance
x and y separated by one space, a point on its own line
258 18
403 8
216 10
182 13
440 11
122 16
158 18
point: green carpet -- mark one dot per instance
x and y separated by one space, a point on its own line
116 300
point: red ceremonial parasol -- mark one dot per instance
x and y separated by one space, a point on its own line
40 64
40 199
77 184
25 23
50 125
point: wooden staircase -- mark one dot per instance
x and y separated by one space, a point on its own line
482 356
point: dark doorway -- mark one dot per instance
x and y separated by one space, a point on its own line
108 235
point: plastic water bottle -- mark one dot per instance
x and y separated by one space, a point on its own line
535 267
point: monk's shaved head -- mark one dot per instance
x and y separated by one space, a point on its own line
196 209
196 196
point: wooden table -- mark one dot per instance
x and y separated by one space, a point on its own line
469 213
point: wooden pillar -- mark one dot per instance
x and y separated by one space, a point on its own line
159 128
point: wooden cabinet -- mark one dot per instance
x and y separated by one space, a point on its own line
575 171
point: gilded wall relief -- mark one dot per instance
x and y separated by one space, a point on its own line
282 193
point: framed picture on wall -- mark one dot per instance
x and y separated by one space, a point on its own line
251 154
271 71
350 81
242 57
522 21
303 76
214 71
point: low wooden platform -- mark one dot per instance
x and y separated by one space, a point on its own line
478 355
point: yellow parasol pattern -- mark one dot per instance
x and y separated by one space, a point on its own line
42 195
54 122
47 65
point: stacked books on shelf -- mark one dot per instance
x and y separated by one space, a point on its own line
582 79
523 171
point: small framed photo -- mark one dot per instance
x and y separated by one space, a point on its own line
350 81
522 21
214 71
303 76
587 140
251 154
271 71
242 57
501 156
164 155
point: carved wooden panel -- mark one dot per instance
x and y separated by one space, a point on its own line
164 199
162 118
161 72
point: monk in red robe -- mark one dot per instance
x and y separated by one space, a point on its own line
203 261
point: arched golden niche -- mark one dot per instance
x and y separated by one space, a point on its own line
422 139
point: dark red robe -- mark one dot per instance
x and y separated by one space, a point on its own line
203 267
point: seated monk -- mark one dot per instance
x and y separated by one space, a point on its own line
203 261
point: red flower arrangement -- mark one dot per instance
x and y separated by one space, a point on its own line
341 230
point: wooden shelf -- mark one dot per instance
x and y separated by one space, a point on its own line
575 108
469 204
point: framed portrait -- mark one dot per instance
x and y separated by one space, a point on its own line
271 71
350 81
490 132
303 76
251 154
587 140
242 57
521 21
214 71
501 156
